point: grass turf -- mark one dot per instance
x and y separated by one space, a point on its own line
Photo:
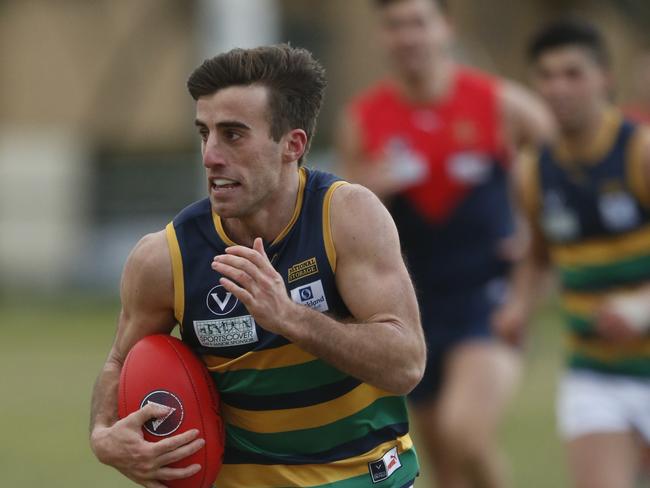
50 355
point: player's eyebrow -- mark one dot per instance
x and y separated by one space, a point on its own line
225 124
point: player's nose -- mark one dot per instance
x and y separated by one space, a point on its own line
212 156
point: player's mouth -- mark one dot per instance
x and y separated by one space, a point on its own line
220 185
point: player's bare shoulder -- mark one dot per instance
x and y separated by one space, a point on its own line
147 275
150 256
361 223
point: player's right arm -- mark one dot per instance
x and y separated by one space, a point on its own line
147 294
531 273
354 164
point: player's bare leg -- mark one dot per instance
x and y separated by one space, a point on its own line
433 450
607 460
480 378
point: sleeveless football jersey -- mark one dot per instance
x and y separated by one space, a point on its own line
291 418
593 214
452 217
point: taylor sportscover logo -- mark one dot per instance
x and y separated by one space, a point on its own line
220 301
169 423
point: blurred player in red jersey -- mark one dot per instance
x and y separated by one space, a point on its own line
435 141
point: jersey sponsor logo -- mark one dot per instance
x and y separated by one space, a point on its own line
169 423
405 163
311 295
302 270
220 301
618 211
559 221
383 467
469 168
233 331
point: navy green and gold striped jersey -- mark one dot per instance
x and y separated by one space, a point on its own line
593 214
291 418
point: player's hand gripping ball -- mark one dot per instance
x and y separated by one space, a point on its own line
161 369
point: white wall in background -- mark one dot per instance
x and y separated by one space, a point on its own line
225 24
43 206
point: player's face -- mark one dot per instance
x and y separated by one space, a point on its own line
242 161
413 33
573 83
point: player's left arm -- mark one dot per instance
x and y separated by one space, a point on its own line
383 343
626 316
527 122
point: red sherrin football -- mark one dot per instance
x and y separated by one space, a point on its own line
163 370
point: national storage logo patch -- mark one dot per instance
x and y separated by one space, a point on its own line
302 270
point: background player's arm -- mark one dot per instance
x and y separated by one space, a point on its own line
147 308
354 164
527 121
531 274
626 316
383 343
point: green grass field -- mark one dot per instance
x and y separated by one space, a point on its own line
50 354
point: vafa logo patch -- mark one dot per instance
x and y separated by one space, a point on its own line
220 301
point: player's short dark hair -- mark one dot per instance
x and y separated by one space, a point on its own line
443 4
295 80
567 32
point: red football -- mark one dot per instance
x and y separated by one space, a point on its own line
161 369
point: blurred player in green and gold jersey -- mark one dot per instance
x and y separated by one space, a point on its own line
587 199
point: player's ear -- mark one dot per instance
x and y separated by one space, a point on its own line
294 145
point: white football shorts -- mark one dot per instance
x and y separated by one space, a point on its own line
589 403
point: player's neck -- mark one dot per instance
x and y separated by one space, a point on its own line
430 85
584 140
273 216
587 133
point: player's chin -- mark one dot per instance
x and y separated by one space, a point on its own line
222 208
411 66
227 208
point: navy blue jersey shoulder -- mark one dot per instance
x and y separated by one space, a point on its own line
589 199
214 321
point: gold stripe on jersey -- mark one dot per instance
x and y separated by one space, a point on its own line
592 153
327 224
251 475
267 421
302 180
279 357
605 250
638 161
177 273
586 304
218 225
529 192
608 351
